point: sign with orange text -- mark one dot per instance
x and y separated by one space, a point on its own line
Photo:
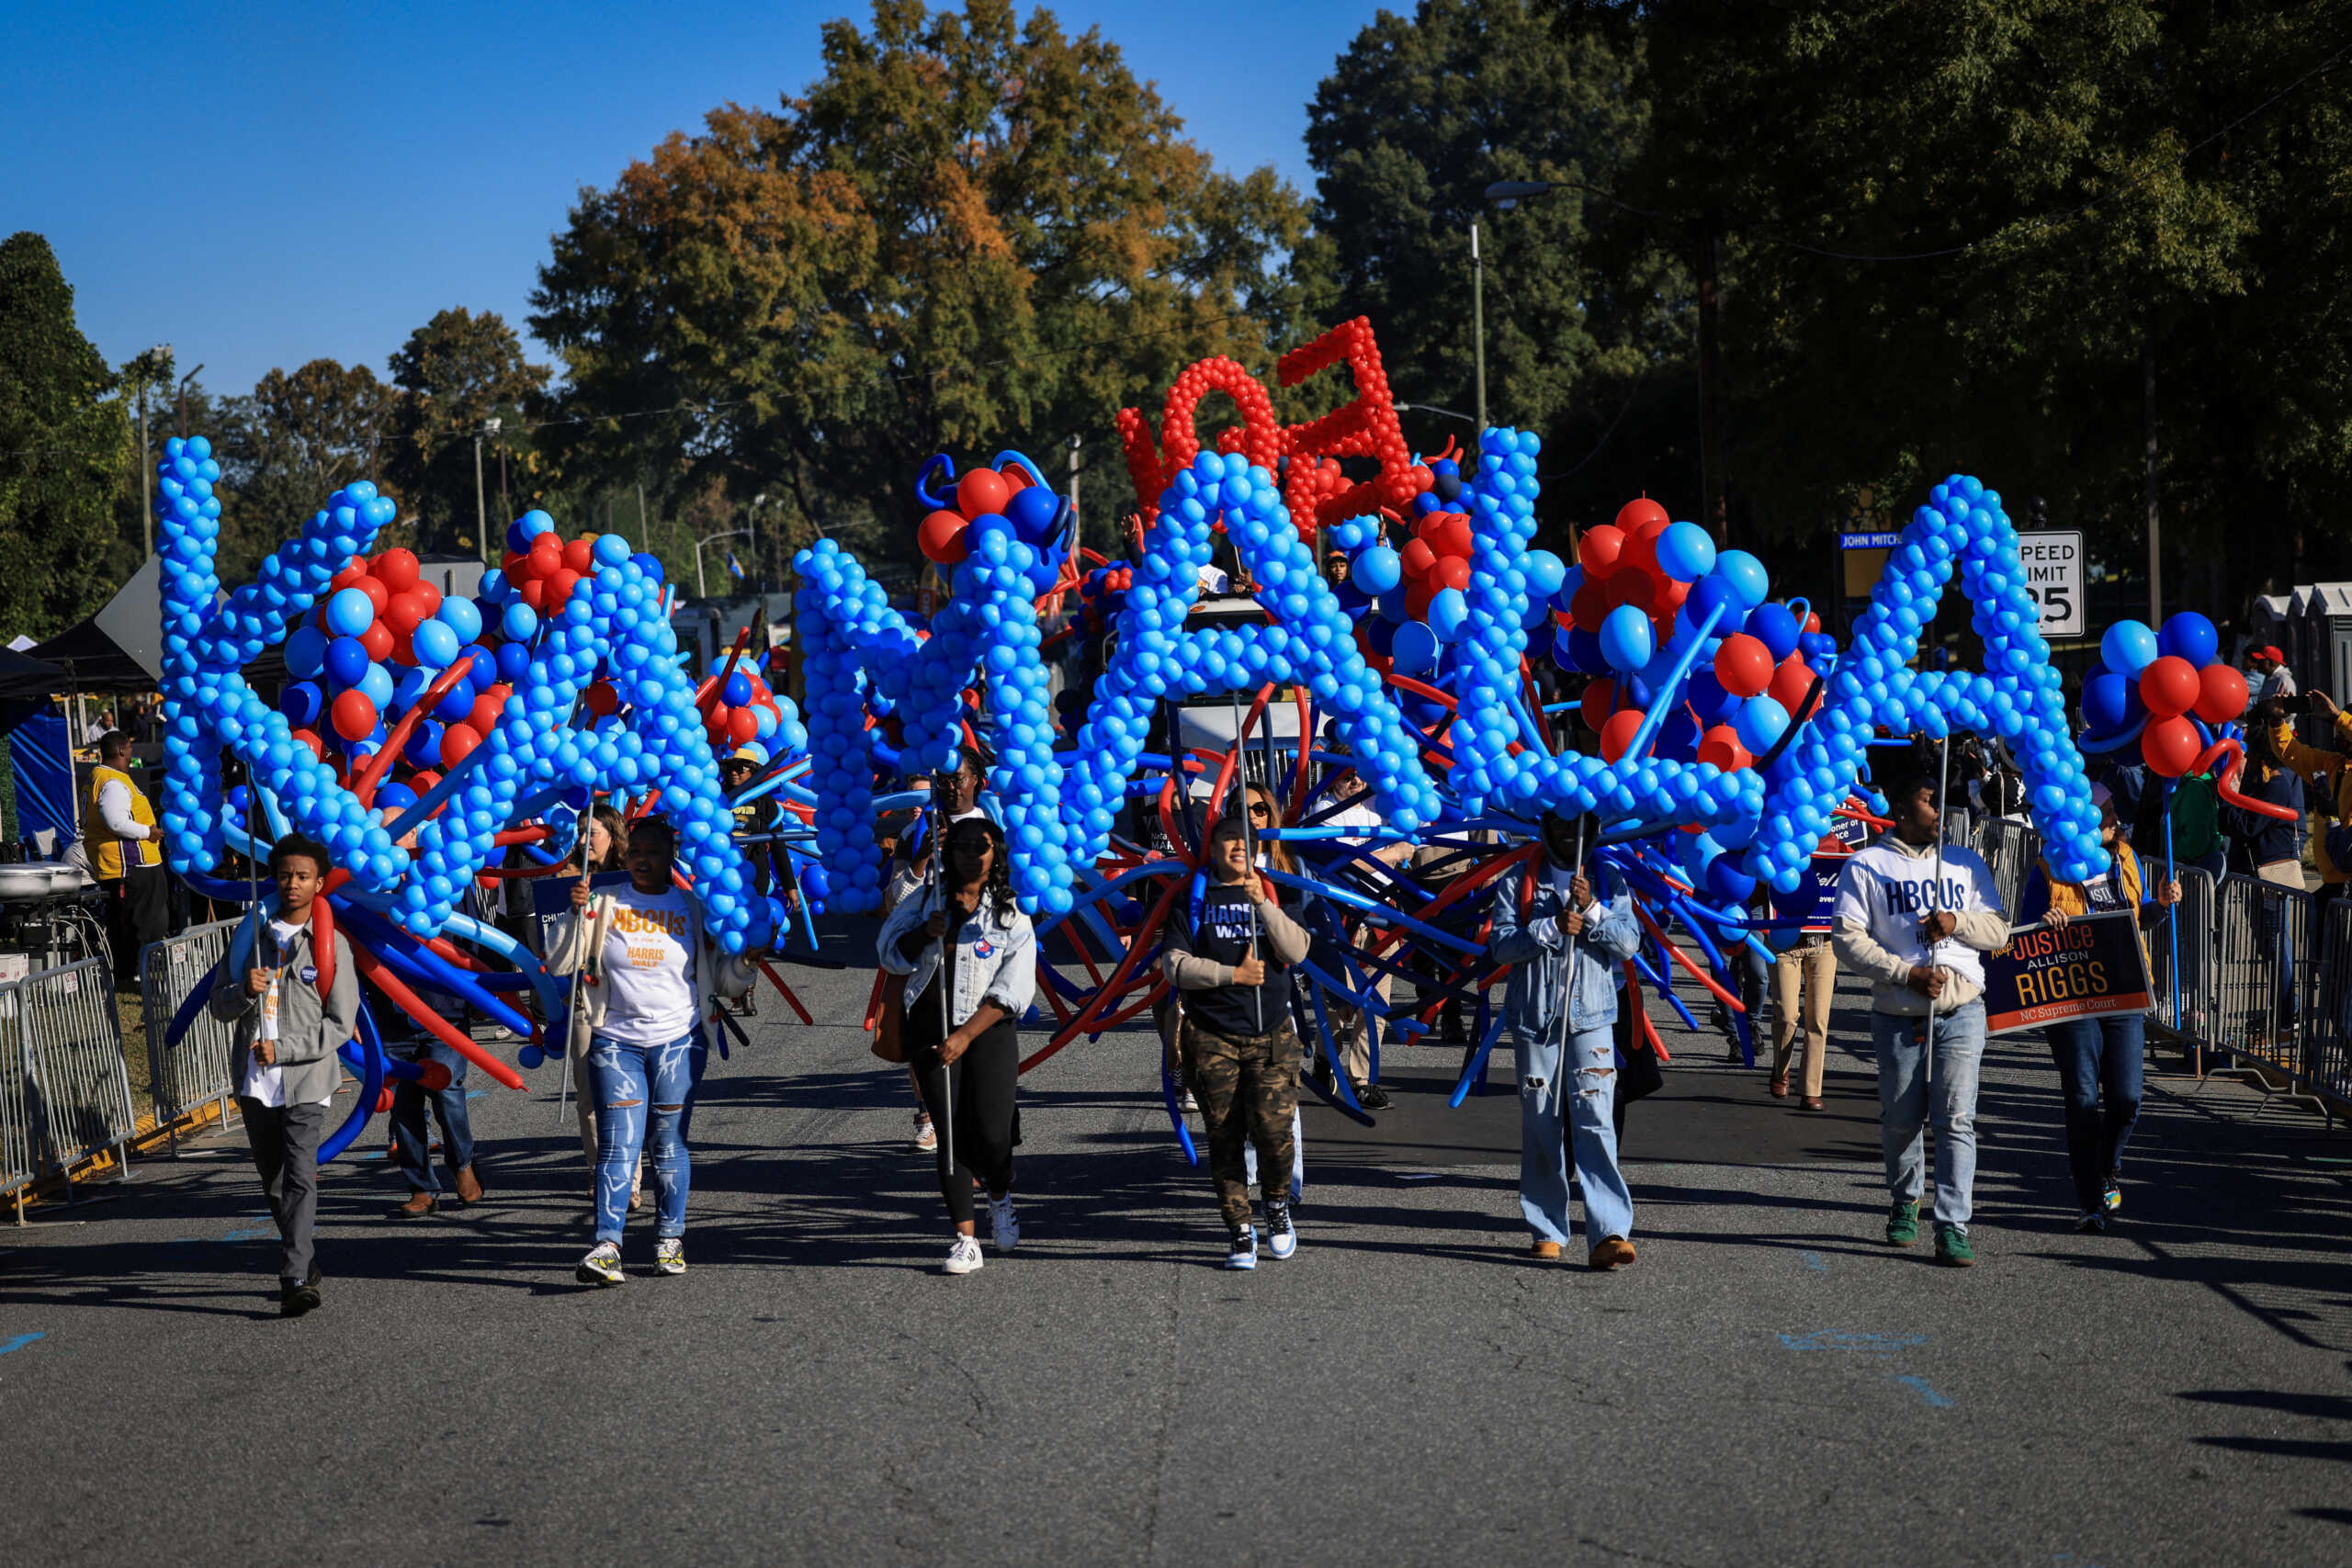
2091 964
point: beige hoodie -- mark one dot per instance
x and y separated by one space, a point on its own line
1882 894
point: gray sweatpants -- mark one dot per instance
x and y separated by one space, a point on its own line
285 1140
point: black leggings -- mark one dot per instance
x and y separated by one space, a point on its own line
985 1125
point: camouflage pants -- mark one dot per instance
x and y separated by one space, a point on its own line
1248 1089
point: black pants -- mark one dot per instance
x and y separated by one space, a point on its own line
139 911
983 1126
285 1140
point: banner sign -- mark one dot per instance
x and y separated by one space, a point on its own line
2092 965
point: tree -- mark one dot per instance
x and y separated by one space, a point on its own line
970 232
289 446
1418 115
63 446
459 370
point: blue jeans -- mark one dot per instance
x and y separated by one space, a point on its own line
2095 1054
411 1129
1904 1093
628 1076
1546 1102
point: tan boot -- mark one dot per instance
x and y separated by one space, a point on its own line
1615 1253
468 1185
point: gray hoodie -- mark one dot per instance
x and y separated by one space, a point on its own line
1882 895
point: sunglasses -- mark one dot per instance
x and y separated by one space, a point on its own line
1259 809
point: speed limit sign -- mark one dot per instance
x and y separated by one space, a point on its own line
2053 575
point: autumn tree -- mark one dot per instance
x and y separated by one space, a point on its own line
290 445
63 448
457 371
972 231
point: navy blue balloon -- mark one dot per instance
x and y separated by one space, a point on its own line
1632 692
737 690
1393 605
1707 593
1776 627
1354 600
1677 737
1584 652
1817 645
1032 511
2106 702
517 540
306 651
649 564
514 661
2191 637
1728 885
1709 700
395 799
424 746
346 661
1383 636
301 702
455 703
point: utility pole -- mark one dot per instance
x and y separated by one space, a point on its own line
1478 330
2148 424
1711 457
182 421
644 531
147 475
482 503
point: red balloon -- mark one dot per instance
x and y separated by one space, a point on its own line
483 718
1450 572
378 594
354 716
1743 665
1640 554
310 738
2170 745
1721 747
348 578
1416 556
1636 513
2221 694
941 537
1419 591
742 725
403 614
1669 595
533 591
1791 683
433 1077
384 1101
1599 698
1589 606
580 555
512 563
395 569
427 595
1638 589
377 640
458 740
560 589
425 779
601 699
545 557
714 720
983 490
1597 550
1448 532
1618 733
2169 686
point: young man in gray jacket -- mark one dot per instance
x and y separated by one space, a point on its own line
293 1014
1921 938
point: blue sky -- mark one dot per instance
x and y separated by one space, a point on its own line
260 184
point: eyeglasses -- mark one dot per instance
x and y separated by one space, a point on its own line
1259 809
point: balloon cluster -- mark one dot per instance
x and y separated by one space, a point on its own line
2163 689
739 708
1007 501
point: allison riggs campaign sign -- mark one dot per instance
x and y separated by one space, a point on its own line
2091 964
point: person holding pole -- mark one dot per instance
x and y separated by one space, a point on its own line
2102 1052
1230 955
1916 916
1565 948
967 956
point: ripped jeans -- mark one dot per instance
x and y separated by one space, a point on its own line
1545 1144
627 1076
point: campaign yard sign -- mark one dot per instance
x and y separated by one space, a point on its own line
2091 964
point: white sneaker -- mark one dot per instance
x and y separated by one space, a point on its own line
1281 1237
602 1266
669 1255
926 1136
963 1256
1244 1253
1004 1226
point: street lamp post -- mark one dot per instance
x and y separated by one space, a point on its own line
1478 321
702 589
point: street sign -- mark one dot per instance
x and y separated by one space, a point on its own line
1875 541
2053 575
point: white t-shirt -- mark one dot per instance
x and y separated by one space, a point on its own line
648 967
1359 812
268 1085
1889 893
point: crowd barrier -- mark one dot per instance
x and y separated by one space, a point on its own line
70 1099
187 1076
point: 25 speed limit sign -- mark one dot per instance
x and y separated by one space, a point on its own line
2053 575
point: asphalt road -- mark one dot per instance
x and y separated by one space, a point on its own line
1768 1385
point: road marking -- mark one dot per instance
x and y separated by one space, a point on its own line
1939 1401
21 1340
1864 1344
1813 1260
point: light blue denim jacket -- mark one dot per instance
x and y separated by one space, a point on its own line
998 962
1536 950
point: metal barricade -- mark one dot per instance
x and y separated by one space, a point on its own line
71 1043
2185 1001
195 1070
2262 971
2327 1026
2009 850
18 1142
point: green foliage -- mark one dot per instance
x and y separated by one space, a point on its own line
457 371
970 231
62 447
288 447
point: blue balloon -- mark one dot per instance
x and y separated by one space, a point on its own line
1032 511
306 651
301 702
2191 637
1705 596
1685 552
1627 640
2106 701
1775 626
461 616
518 621
1378 570
2128 648
436 643
346 660
514 661
351 611
1414 652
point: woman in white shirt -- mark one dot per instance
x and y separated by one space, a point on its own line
653 977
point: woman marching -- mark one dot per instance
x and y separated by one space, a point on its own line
652 978
967 954
2098 1057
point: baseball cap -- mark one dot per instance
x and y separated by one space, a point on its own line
750 751
2270 653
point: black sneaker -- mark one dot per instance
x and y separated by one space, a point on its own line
296 1300
2092 1224
1371 1097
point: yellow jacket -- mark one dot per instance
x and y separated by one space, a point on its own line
105 844
2331 769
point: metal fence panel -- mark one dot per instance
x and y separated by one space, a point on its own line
2263 970
2009 850
2327 1027
2186 1001
17 1141
72 1044
195 1070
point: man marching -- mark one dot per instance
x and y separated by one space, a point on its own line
1917 916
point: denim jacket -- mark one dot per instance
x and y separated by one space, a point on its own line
1536 950
996 961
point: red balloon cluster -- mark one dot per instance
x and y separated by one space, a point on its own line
942 537
728 725
402 600
545 575
1619 563
1435 559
